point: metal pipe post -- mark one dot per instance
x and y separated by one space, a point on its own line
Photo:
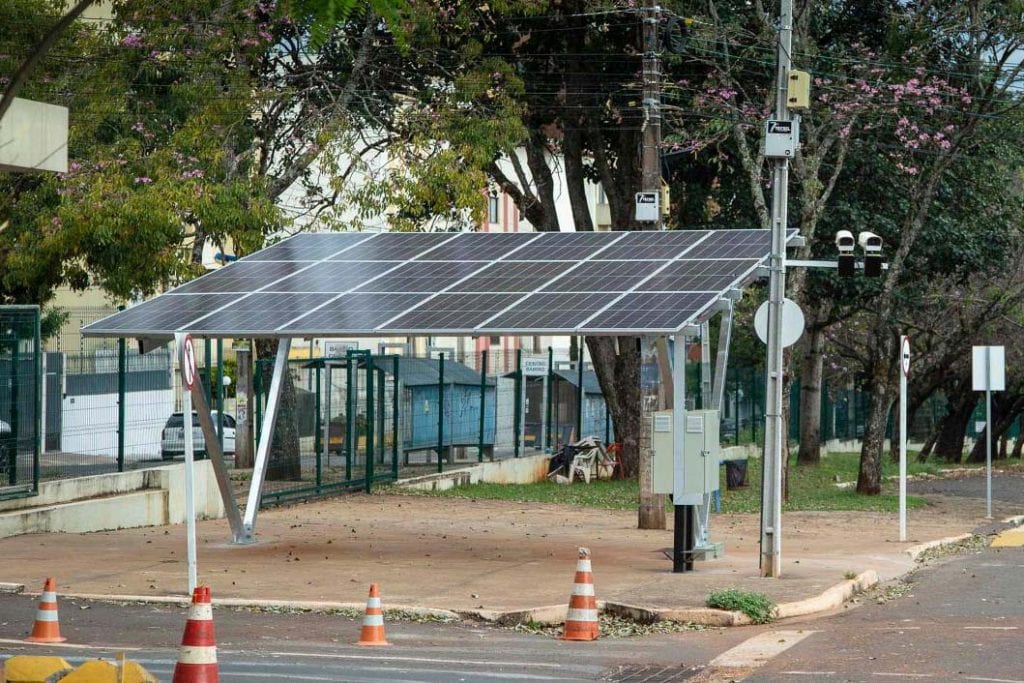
775 430
220 394
394 419
682 539
517 403
318 442
550 400
370 426
122 372
580 396
903 447
350 414
440 412
483 405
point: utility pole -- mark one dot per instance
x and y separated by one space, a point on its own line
652 103
651 513
775 429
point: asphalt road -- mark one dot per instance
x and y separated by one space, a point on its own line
959 620
1006 487
257 646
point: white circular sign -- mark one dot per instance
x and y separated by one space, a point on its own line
792 322
905 356
188 368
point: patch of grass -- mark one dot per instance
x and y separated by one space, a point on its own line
757 606
810 488
610 495
850 576
814 487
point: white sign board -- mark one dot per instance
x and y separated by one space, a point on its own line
905 355
337 349
992 359
535 367
792 322
647 209
188 367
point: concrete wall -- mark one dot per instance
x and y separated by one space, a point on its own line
122 500
509 471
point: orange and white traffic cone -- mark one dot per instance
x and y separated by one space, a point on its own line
46 628
581 621
372 633
197 660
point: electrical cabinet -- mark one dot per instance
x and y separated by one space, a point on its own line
701 454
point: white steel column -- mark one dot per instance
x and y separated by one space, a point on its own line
190 497
774 434
259 471
722 358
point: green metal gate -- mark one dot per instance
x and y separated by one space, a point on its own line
21 398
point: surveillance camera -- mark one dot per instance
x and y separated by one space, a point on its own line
845 242
870 242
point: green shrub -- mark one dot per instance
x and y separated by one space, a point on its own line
757 606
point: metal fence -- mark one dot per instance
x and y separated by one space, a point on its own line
20 400
364 418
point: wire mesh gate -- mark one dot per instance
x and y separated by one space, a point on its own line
20 400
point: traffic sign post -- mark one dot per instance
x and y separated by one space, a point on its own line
188 381
904 374
988 366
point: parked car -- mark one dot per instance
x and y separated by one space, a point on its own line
172 438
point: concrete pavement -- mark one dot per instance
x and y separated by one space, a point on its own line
470 555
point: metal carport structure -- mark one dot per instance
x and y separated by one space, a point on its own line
649 284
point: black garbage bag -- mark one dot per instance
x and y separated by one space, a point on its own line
562 459
735 474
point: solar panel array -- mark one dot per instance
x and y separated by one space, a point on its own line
331 284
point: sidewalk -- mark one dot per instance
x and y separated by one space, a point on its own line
458 554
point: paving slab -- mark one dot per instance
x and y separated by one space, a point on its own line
462 554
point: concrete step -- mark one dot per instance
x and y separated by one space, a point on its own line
148 507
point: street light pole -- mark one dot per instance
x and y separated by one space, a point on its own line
775 429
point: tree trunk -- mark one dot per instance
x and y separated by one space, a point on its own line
285 462
926 449
617 364
949 445
869 478
811 366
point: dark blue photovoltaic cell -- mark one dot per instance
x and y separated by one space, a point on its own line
698 275
604 276
552 311
310 246
395 246
242 277
333 276
651 311
454 311
479 246
258 312
734 244
654 244
168 312
355 313
565 246
469 283
430 276
513 276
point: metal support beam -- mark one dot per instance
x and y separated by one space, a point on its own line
259 471
220 468
702 519
721 360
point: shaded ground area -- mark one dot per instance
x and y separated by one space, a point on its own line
959 620
470 554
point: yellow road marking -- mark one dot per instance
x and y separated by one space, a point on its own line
1011 538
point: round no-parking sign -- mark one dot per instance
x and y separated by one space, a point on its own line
905 356
188 366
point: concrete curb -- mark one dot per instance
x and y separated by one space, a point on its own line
830 599
916 551
294 605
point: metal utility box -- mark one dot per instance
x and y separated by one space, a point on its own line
781 138
701 454
798 95
647 207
